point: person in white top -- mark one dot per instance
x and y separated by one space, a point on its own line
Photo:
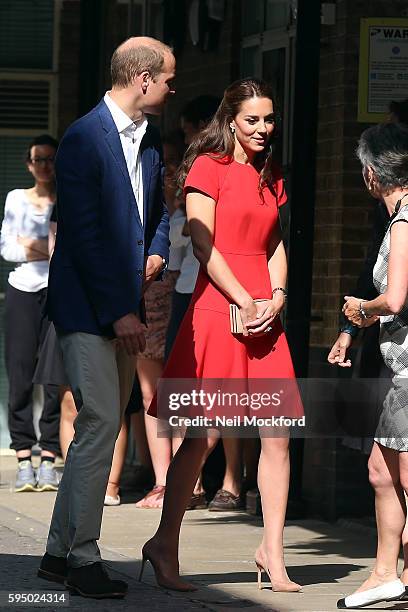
24 241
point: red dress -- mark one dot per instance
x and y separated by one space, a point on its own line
244 222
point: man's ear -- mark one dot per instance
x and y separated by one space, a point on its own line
145 80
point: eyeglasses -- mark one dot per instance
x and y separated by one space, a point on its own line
42 160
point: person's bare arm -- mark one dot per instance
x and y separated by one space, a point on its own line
394 298
201 218
36 248
278 270
52 232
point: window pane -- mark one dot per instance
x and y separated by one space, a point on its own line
155 19
277 14
252 16
26 34
250 61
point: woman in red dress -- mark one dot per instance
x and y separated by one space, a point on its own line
233 190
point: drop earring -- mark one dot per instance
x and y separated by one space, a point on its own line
232 128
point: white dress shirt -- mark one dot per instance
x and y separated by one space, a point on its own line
131 135
189 265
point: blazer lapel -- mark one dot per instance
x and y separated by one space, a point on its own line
147 162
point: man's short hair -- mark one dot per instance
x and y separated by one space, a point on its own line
130 61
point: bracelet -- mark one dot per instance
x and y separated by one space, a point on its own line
285 293
362 312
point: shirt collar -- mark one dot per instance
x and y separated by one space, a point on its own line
122 121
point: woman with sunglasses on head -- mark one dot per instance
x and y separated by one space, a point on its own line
233 191
24 241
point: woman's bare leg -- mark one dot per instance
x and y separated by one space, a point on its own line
176 443
149 372
68 416
233 465
390 511
404 575
403 464
273 482
181 478
118 460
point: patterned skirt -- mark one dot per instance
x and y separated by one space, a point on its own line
158 306
392 429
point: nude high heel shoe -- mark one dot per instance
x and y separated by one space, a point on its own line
165 583
277 587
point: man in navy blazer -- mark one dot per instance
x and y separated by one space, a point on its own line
112 242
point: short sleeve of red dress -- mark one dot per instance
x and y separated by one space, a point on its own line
279 185
204 176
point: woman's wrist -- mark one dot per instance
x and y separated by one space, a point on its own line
364 310
245 301
279 291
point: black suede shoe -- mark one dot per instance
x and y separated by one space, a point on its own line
54 569
93 581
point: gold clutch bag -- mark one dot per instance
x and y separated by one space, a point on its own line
235 317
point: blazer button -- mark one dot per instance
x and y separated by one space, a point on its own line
140 242
140 272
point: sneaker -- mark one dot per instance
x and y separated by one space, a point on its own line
47 478
25 478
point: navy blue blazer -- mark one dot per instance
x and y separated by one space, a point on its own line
96 271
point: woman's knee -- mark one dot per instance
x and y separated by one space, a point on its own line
276 448
379 476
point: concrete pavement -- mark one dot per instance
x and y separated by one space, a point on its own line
216 554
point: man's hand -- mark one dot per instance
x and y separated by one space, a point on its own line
130 333
154 265
338 352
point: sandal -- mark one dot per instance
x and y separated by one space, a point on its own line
157 490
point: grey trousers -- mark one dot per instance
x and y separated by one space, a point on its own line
101 378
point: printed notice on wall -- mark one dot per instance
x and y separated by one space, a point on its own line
383 68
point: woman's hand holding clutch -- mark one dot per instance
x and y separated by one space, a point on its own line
267 311
248 313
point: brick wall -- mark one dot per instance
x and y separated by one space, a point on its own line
343 207
342 236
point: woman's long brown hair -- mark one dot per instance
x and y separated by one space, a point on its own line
217 140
